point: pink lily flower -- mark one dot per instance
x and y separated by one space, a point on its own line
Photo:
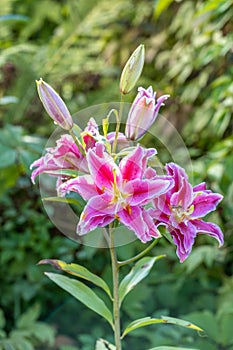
181 208
143 113
118 192
65 155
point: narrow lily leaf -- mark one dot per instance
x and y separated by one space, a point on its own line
65 172
79 271
181 323
62 200
140 270
82 293
146 321
103 344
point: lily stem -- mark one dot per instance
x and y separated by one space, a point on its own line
140 255
118 124
116 303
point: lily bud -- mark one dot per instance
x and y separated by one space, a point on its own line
132 70
143 113
54 105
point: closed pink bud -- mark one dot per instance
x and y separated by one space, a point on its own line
54 105
143 113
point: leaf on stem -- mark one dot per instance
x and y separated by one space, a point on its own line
78 271
146 321
82 293
140 270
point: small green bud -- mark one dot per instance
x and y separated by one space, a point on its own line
132 70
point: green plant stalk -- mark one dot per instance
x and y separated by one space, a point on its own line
116 303
76 141
140 255
118 125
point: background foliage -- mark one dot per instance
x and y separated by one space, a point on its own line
80 47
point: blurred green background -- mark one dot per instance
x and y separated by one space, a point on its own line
80 47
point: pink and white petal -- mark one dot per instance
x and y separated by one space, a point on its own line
178 240
142 191
133 219
200 187
204 203
189 232
122 141
177 173
131 165
158 216
148 153
98 210
162 203
83 185
210 229
101 170
151 227
85 227
183 241
99 150
150 173
184 195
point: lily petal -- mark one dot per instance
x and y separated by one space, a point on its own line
82 184
97 212
204 203
143 191
102 169
210 229
183 238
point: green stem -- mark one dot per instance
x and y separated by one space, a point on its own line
118 126
78 144
140 255
116 303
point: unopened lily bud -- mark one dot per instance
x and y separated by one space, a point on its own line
143 113
54 105
132 70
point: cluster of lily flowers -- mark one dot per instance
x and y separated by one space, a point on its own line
117 181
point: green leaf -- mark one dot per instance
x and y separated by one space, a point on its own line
62 200
30 316
182 323
8 345
2 319
103 344
226 329
161 6
146 321
23 344
43 332
83 293
65 172
79 271
7 156
140 270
